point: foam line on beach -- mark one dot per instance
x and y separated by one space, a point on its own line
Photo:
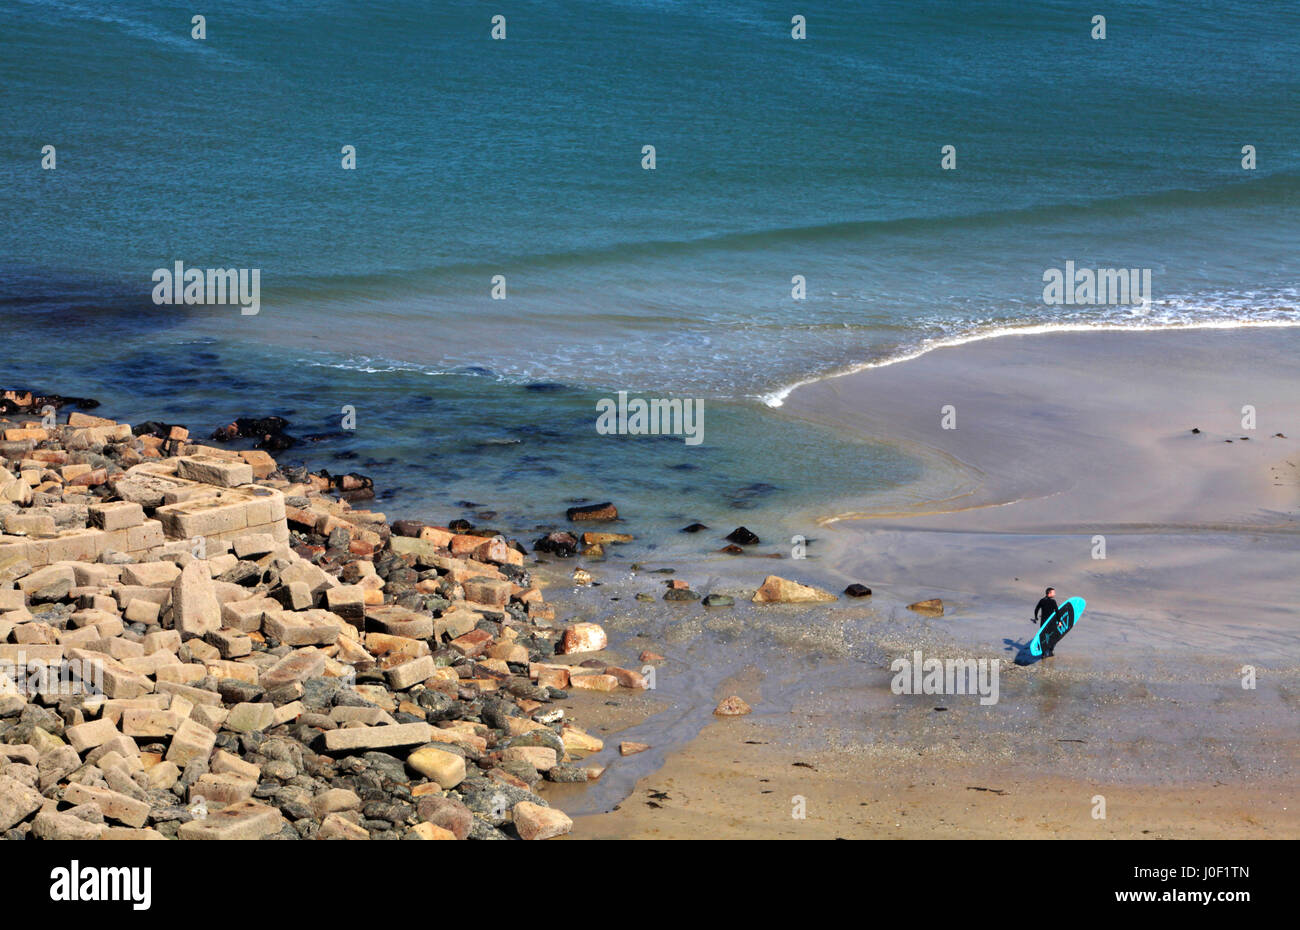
778 397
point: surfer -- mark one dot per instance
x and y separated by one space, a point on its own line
1045 608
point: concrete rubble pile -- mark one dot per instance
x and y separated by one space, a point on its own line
195 644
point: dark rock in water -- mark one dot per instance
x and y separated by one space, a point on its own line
748 497
153 428
694 528
719 600
681 594
460 526
276 442
857 590
1196 429
545 387
732 549
558 543
268 431
468 505
409 528
645 597
742 536
23 401
353 482
605 511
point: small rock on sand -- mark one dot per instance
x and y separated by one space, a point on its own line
583 637
732 707
776 590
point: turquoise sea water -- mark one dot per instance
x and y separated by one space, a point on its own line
523 158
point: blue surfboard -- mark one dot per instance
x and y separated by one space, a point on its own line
1056 626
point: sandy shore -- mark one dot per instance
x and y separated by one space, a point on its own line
738 780
1060 439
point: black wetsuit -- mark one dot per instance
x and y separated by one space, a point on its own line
1046 607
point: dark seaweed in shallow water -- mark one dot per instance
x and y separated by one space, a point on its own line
751 495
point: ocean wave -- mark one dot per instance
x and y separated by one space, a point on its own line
1173 315
1266 190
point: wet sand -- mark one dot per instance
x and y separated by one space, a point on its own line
738 780
1060 439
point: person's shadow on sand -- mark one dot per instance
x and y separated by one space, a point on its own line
1023 655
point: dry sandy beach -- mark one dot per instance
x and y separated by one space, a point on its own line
1060 439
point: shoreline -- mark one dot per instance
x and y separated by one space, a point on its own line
1195 584
789 660
778 397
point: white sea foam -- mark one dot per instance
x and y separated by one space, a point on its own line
1137 322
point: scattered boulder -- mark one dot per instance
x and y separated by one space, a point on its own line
534 822
932 607
857 590
741 536
776 590
583 637
564 545
593 512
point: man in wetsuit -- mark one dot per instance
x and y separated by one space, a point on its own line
1044 609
